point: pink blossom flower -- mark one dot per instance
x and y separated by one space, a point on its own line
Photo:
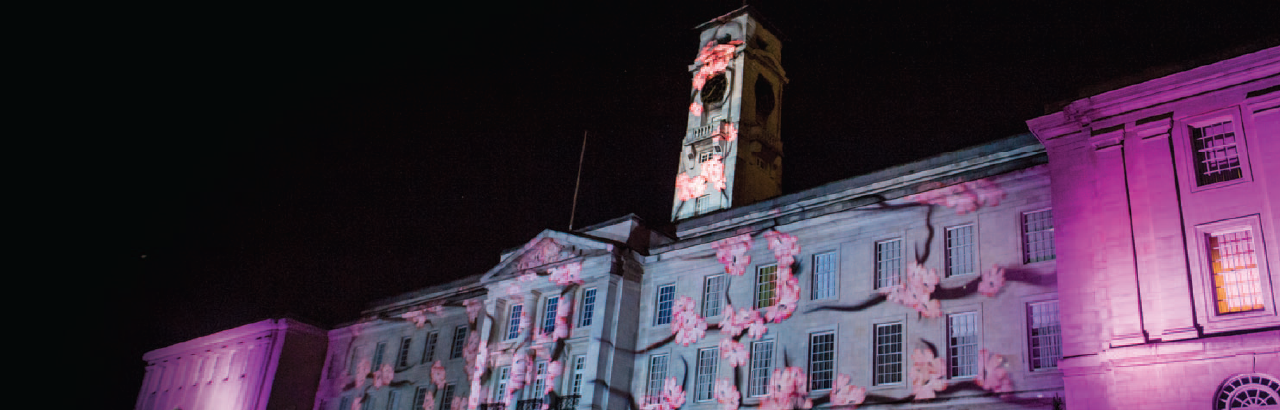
562 329
926 374
727 394
690 187
437 374
435 310
788 299
383 376
695 109
357 404
845 394
916 290
430 402
554 369
567 274
756 329
459 403
713 171
685 322
418 317
732 253
477 391
965 197
362 372
784 246
787 390
541 337
714 59
992 376
729 325
728 132
519 370
673 393
734 352
528 277
992 281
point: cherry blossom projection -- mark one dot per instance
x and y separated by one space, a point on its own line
672 396
459 403
362 371
418 317
554 370
358 403
992 376
964 197
383 376
787 390
564 310
473 308
732 253
727 394
689 188
733 352
713 172
845 394
728 132
785 247
927 374
437 374
686 325
915 291
430 402
992 281
714 59
567 274
695 109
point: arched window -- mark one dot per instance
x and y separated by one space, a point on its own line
1252 391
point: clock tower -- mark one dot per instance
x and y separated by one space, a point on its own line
732 153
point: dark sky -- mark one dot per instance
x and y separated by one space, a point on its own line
303 162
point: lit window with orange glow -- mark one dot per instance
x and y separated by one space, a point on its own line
1236 279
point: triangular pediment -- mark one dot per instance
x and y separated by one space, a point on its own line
548 249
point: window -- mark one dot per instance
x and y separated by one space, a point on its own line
500 389
761 365
822 360
706 374
888 354
824 276
446 397
579 371
429 351
1037 236
657 373
377 355
705 156
513 321
766 286
1046 334
666 297
1234 264
370 404
402 357
419 397
540 380
702 204
712 295
549 314
1217 153
344 404
459 339
351 364
962 344
888 263
960 250
588 307
393 399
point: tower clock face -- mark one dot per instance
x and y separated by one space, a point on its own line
714 90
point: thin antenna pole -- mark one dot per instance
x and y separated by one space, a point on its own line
578 182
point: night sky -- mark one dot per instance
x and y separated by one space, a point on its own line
304 162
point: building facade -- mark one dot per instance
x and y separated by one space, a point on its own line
272 364
1165 195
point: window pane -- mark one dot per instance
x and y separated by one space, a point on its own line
549 315
459 339
713 295
888 359
766 286
402 358
888 263
666 297
1217 153
579 370
513 321
962 344
960 250
588 307
822 360
761 366
1236 280
500 389
1046 334
657 372
540 380
377 355
707 362
1037 237
824 276
429 351
446 397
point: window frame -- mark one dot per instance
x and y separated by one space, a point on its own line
835 357
1022 235
755 295
446 394
457 345
419 396
429 346
699 388
1187 164
973 250
393 399
402 355
718 299
654 385
513 322
658 303
549 313
902 355
770 346
876 262
579 363
586 314
1203 283
1027 327
501 378
379 353
976 313
833 293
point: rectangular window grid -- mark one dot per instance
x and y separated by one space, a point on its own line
761 366
513 321
888 359
377 355
579 371
657 372
549 314
402 357
708 359
446 397
960 250
702 204
540 380
822 360
588 307
1217 153
1046 334
1037 236
1236 281
712 295
419 397
824 276
393 399
500 389
459 339
666 297
888 263
429 350
766 286
962 344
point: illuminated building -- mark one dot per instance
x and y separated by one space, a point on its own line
1165 196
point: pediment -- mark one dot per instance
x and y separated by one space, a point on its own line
547 250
